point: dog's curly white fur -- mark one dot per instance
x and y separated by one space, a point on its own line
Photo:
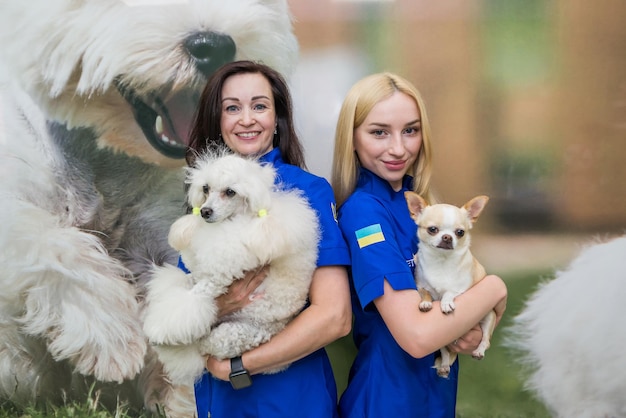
96 96
249 223
572 348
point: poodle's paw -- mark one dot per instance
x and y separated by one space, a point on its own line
180 402
174 313
177 328
183 364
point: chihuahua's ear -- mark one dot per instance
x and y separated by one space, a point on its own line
475 206
416 203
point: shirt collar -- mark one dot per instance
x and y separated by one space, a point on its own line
370 181
273 157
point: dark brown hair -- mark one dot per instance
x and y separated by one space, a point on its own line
205 132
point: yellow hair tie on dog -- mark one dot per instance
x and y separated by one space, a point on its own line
196 211
262 213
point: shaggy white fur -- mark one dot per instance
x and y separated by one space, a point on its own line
570 335
96 99
248 224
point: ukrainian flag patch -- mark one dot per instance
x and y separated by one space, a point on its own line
369 235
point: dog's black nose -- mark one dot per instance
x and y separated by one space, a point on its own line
206 213
210 50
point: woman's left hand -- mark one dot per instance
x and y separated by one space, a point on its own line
467 343
219 369
241 292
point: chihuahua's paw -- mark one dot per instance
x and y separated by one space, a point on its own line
443 371
443 368
479 353
425 306
447 306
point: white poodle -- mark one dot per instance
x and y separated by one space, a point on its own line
96 100
571 337
241 222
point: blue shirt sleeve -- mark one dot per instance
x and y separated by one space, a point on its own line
332 247
370 231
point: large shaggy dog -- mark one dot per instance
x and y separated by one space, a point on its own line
96 102
249 224
572 339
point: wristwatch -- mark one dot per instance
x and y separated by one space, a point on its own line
239 377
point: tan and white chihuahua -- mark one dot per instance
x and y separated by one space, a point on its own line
445 267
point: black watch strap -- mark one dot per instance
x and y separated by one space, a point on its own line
236 365
239 376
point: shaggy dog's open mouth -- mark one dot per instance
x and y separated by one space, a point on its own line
165 121
165 116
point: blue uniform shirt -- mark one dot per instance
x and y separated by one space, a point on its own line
385 381
307 388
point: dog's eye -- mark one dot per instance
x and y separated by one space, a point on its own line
432 230
230 192
205 189
459 233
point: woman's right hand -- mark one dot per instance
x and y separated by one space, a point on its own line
242 292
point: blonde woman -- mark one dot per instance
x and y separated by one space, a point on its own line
382 148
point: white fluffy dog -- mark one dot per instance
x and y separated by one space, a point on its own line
97 98
571 336
241 222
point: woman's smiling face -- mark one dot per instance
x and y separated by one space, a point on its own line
389 140
248 119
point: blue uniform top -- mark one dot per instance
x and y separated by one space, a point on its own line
307 387
385 381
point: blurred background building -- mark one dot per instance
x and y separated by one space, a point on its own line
526 98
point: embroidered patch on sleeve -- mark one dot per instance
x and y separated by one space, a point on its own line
369 235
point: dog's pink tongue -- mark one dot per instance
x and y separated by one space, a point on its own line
178 118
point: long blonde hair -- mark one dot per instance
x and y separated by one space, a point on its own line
359 101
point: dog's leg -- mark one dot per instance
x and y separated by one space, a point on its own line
59 285
427 300
67 291
183 364
487 324
230 339
443 363
447 302
159 394
181 402
176 311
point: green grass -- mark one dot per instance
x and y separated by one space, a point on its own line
490 388
89 409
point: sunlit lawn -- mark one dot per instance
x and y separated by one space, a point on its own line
490 388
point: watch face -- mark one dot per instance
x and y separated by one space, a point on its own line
240 379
